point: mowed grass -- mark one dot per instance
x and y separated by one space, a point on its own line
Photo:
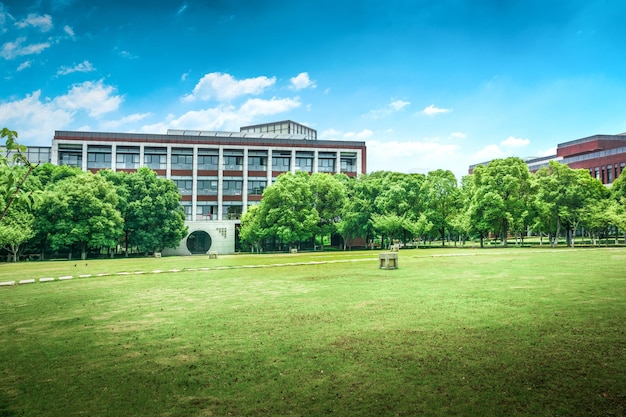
515 332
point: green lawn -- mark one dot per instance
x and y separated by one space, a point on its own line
515 332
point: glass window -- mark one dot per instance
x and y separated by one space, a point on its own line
232 187
207 186
256 186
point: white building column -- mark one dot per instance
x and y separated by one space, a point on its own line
84 162
141 153
269 167
220 181
194 185
168 167
244 187
293 161
338 163
113 157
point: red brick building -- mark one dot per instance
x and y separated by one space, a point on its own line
604 156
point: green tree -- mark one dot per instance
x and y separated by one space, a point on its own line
81 212
501 195
252 231
150 206
329 198
16 229
12 174
441 195
287 209
563 194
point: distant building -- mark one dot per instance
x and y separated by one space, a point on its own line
219 174
604 156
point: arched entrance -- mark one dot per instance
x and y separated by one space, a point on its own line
199 242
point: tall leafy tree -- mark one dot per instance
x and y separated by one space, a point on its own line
16 229
563 193
501 194
150 206
15 168
287 209
81 211
329 197
441 194
252 231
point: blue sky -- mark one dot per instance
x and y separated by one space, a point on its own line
426 84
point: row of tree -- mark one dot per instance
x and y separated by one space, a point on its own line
61 209
501 199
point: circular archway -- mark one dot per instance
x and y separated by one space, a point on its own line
199 242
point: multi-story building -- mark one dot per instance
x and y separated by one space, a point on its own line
219 174
604 156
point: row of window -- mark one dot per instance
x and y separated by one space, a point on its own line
102 160
607 174
206 211
229 186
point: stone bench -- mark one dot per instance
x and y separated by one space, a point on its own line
388 260
212 254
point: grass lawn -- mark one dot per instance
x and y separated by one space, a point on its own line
515 332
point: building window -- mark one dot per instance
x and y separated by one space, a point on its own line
609 174
281 163
232 211
182 158
206 211
232 187
188 209
256 186
233 160
185 185
207 186
326 165
208 162
127 157
71 155
257 161
155 158
348 162
99 157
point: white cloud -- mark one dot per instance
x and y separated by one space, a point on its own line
84 66
302 81
414 157
363 134
68 30
394 106
34 119
11 50
512 142
432 110
224 117
458 135
224 87
132 118
182 9
488 153
548 152
94 97
185 75
41 22
24 65
398 105
330 134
